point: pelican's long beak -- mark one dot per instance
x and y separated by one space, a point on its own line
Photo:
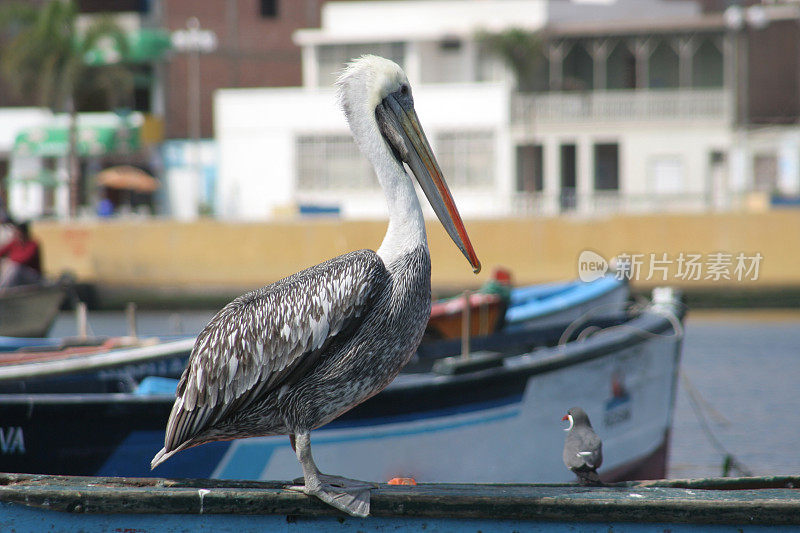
400 126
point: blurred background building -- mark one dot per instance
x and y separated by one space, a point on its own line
532 106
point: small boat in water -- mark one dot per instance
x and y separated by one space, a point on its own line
505 401
30 310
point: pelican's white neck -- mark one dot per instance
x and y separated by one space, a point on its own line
361 86
406 231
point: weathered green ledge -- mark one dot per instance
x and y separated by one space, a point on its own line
764 500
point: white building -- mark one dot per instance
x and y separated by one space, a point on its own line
637 105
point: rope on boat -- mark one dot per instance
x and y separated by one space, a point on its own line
696 400
632 309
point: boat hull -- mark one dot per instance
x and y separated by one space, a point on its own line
29 311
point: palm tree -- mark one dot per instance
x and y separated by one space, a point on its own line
520 50
44 56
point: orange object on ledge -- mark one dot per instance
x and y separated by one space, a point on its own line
402 481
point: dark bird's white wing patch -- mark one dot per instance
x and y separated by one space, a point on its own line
259 340
588 458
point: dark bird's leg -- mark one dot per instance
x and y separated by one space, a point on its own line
588 478
348 495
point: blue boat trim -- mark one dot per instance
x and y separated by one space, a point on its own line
248 458
540 300
422 415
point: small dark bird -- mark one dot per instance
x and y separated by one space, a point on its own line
583 449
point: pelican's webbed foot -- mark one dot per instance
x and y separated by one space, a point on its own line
352 500
349 495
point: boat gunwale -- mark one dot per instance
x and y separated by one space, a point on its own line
777 503
574 294
95 361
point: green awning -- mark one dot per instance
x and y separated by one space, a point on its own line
53 141
144 45
43 177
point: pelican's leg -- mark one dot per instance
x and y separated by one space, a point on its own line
336 481
352 498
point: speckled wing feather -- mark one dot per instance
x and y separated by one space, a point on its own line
261 339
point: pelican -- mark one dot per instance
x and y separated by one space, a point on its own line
292 356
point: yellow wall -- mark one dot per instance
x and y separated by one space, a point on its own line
212 254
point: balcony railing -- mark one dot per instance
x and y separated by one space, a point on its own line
602 203
622 106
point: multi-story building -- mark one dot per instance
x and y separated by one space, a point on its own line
250 46
636 105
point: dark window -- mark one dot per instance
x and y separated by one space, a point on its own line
117 6
143 81
606 167
568 176
451 44
530 168
269 8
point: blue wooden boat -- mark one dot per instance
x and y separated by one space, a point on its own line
509 396
79 504
563 302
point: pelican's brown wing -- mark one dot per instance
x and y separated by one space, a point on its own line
261 339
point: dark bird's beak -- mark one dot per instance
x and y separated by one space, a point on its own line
400 127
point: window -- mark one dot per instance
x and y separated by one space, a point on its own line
569 166
450 44
269 8
331 162
663 67
708 66
333 58
530 168
117 6
606 167
621 68
466 157
578 69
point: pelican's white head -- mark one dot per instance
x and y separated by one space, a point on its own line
364 82
376 99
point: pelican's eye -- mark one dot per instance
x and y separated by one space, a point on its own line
404 89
